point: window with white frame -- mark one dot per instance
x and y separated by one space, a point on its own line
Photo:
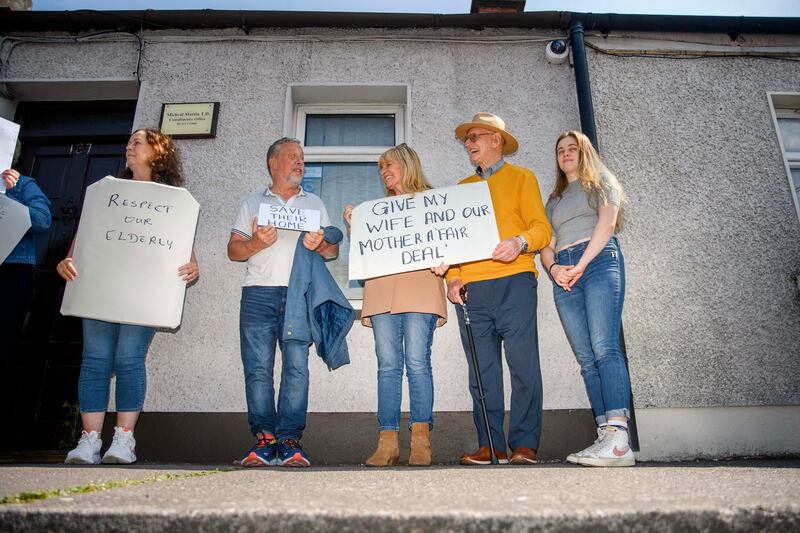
786 109
342 144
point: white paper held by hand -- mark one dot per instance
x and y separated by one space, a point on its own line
15 221
132 238
402 233
285 217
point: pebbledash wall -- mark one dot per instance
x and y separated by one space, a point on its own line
712 318
712 238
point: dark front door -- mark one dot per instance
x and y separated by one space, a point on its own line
65 155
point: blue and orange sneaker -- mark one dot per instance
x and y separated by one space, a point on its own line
263 453
290 453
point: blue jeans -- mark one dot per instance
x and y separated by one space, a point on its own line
119 348
503 313
591 314
260 327
404 340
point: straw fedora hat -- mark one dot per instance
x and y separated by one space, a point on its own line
490 122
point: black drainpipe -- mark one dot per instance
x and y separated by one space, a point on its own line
582 85
586 111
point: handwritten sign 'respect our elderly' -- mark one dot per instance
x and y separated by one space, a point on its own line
15 220
411 232
132 237
285 217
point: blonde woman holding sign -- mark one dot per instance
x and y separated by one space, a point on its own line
120 349
403 310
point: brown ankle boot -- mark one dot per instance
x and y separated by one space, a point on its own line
388 450
420 445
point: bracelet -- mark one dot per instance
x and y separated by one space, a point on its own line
549 270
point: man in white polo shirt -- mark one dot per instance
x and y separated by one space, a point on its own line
269 253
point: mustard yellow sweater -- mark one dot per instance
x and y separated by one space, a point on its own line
518 210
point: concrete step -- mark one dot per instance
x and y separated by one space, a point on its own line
702 496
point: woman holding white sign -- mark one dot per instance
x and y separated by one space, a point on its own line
120 349
403 310
588 271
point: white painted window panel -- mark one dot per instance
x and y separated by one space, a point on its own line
342 144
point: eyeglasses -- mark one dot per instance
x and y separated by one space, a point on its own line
473 137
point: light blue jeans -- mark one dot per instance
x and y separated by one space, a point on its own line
404 340
591 314
109 348
260 326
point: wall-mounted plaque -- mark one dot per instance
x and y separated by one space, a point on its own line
190 120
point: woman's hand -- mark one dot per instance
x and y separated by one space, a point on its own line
575 273
348 214
66 269
440 270
189 272
11 177
561 276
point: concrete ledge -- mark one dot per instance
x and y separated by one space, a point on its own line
668 521
688 433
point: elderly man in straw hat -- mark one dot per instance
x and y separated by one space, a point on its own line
501 295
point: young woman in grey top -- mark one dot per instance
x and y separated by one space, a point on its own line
586 265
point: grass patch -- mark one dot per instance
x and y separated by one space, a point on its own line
30 496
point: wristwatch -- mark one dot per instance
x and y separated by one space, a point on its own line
523 243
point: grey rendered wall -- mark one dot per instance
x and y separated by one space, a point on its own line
712 244
198 368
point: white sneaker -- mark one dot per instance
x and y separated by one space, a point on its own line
123 448
573 457
87 452
612 450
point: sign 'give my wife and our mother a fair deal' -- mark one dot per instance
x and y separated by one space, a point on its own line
132 237
408 232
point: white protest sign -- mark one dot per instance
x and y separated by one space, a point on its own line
132 237
8 142
285 217
15 221
396 234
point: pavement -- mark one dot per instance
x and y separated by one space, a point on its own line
743 495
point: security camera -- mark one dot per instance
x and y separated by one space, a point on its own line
556 52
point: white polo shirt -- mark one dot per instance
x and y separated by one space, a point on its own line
272 266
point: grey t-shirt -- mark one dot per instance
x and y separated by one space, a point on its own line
572 216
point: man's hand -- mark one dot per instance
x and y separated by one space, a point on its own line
454 291
508 250
313 240
264 236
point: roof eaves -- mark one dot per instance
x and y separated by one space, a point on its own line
92 20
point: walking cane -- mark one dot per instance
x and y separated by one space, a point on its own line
478 381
